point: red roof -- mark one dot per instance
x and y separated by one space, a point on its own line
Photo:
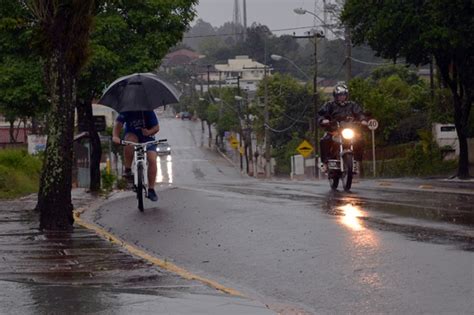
180 57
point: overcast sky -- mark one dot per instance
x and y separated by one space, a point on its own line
276 14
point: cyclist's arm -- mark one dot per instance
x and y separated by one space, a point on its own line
116 132
152 131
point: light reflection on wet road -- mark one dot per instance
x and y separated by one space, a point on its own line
164 170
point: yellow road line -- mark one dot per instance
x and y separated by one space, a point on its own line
426 187
154 260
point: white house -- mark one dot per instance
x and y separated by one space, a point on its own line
243 69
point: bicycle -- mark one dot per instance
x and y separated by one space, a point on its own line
140 168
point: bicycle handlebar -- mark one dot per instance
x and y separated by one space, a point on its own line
143 144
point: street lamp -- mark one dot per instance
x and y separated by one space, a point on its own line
278 58
347 38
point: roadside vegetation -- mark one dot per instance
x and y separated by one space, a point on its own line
19 173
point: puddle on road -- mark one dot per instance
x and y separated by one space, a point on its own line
418 223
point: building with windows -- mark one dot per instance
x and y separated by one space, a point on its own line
243 71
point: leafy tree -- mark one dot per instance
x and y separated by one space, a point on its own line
228 119
290 111
403 72
56 23
418 30
399 106
195 35
22 94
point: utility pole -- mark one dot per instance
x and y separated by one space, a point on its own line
220 94
431 78
266 117
314 124
347 39
208 79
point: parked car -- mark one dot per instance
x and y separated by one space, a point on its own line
186 115
163 148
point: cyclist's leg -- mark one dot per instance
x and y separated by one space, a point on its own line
128 150
152 168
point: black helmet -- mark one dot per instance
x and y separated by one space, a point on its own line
340 89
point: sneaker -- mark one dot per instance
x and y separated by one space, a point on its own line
324 168
152 195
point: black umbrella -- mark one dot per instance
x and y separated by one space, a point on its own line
139 92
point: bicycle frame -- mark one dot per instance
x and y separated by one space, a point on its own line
140 158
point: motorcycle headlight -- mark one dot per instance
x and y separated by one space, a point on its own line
347 133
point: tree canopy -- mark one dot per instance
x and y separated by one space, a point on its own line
418 30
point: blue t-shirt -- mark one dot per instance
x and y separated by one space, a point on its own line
134 121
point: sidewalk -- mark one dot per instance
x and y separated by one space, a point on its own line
80 273
438 185
434 184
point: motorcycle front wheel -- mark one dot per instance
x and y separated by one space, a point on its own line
333 179
346 177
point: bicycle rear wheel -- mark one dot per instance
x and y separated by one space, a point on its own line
140 186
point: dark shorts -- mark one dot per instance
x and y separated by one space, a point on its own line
142 139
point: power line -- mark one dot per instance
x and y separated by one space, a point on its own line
241 33
370 63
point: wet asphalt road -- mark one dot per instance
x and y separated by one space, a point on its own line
375 250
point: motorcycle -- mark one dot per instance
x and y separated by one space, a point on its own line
341 164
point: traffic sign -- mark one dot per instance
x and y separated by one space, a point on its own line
373 124
234 142
305 148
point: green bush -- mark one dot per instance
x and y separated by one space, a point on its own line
108 180
21 160
19 173
283 155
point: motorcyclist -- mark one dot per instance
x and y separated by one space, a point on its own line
338 110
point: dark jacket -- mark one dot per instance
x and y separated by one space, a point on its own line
335 112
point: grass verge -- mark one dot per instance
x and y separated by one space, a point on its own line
19 173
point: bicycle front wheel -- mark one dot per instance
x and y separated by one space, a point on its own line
140 186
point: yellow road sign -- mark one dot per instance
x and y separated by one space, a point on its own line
234 142
305 148
241 150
